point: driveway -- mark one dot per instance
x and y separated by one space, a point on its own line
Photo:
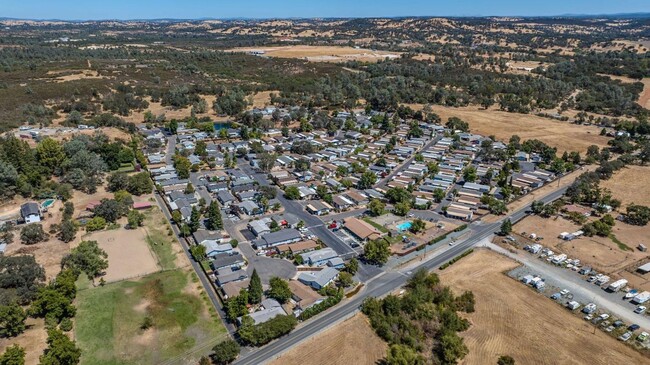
267 267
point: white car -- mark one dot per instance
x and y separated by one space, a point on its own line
564 292
640 309
626 336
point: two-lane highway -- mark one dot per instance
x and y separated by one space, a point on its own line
380 286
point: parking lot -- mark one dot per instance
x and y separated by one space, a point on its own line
607 321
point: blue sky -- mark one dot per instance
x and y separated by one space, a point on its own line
191 9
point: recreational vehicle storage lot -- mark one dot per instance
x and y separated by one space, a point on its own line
507 311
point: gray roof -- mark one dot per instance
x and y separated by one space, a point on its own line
267 314
229 277
205 235
320 278
30 208
225 196
282 236
319 255
224 259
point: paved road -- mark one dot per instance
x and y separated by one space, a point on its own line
578 286
407 162
205 281
377 287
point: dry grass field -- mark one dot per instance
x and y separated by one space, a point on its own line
350 342
630 185
263 98
33 340
601 253
511 319
322 53
563 135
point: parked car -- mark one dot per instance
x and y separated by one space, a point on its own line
626 336
643 336
640 309
564 292
618 324
633 327
609 329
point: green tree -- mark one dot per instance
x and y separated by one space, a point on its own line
469 175
377 251
506 360
12 320
13 355
214 220
506 227
376 207
352 266
198 252
637 215
67 230
96 224
118 181
367 180
417 226
225 352
51 303
345 279
110 210
135 219
292 193
403 355
195 220
402 208
182 166
255 290
452 348
50 154
279 290
33 233
88 258
139 184
61 350
266 161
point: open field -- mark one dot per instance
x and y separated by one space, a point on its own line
563 135
129 255
263 98
322 53
630 185
350 342
552 335
601 253
109 318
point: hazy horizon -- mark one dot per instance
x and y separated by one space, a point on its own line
69 10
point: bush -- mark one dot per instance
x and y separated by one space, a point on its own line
453 261
66 325
225 352
263 333
33 233
96 224
322 306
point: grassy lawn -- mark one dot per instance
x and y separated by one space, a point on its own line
109 318
158 239
381 228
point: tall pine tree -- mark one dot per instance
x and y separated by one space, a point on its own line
255 290
214 220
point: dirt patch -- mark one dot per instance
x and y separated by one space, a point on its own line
322 53
33 340
128 252
350 342
630 185
563 135
498 329
263 98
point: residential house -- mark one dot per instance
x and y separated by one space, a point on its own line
319 257
225 260
361 229
281 237
317 207
30 212
319 279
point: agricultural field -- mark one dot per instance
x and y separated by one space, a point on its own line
322 53
564 136
498 329
349 342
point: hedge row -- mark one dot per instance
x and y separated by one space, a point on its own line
452 261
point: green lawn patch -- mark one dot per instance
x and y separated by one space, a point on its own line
160 242
109 318
620 244
126 167
381 228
